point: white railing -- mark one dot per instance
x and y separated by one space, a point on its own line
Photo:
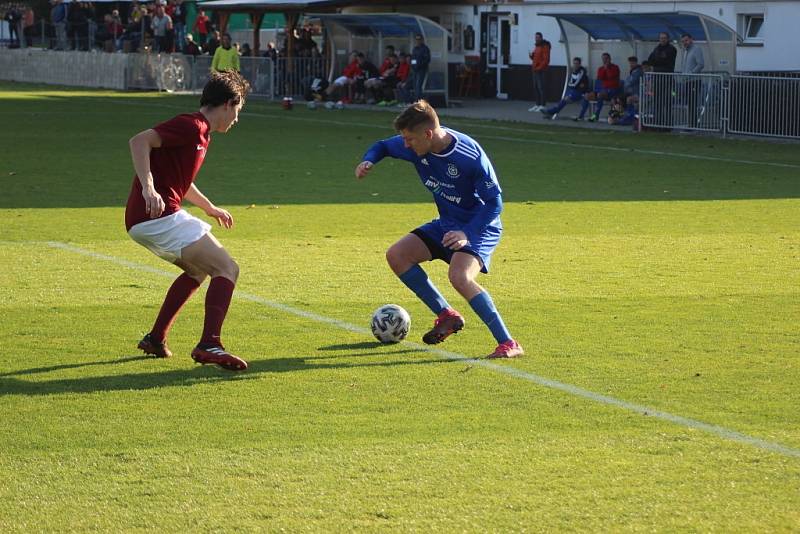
154 71
746 105
764 105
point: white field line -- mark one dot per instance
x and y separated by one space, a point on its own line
660 153
570 389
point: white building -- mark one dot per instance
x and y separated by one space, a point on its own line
736 36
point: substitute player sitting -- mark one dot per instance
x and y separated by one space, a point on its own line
166 159
462 180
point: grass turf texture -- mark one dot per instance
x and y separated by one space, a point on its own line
662 280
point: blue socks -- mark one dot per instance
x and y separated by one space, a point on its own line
484 307
418 282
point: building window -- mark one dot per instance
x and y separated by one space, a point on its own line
750 27
453 23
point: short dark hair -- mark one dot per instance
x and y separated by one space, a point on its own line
687 34
606 54
633 58
576 58
225 86
539 34
417 114
360 54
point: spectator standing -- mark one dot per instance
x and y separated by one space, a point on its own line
201 27
58 16
28 28
91 20
14 18
162 28
420 60
213 43
693 63
607 86
78 27
540 62
576 87
662 60
178 16
226 57
271 52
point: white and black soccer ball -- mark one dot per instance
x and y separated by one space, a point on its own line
390 323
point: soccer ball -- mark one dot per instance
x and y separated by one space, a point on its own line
390 323
329 105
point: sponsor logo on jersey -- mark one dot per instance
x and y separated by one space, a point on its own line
200 147
424 161
452 170
436 187
489 185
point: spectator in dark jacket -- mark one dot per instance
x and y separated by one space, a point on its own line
420 60
662 58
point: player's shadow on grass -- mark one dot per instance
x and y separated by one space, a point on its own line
49 369
180 377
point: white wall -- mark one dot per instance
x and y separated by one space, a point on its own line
781 22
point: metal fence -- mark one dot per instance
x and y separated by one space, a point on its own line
748 105
153 71
761 105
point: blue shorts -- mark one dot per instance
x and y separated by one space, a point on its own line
433 233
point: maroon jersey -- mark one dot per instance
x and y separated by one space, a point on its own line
174 165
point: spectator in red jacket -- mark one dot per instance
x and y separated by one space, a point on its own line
606 87
201 24
347 80
403 88
540 62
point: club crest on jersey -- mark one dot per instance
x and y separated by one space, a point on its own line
452 170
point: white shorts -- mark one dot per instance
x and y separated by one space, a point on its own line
166 237
341 80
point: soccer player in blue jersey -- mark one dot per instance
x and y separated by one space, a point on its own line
462 180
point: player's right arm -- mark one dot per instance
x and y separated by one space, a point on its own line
141 144
394 147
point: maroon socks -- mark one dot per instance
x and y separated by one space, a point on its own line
182 288
218 298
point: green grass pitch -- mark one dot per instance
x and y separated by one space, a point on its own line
657 270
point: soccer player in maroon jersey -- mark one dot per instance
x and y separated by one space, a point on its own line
166 159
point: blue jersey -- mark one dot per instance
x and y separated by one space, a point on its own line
461 179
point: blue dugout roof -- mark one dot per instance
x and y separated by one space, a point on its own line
387 25
644 26
270 5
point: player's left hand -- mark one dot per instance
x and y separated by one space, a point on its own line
455 240
223 217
